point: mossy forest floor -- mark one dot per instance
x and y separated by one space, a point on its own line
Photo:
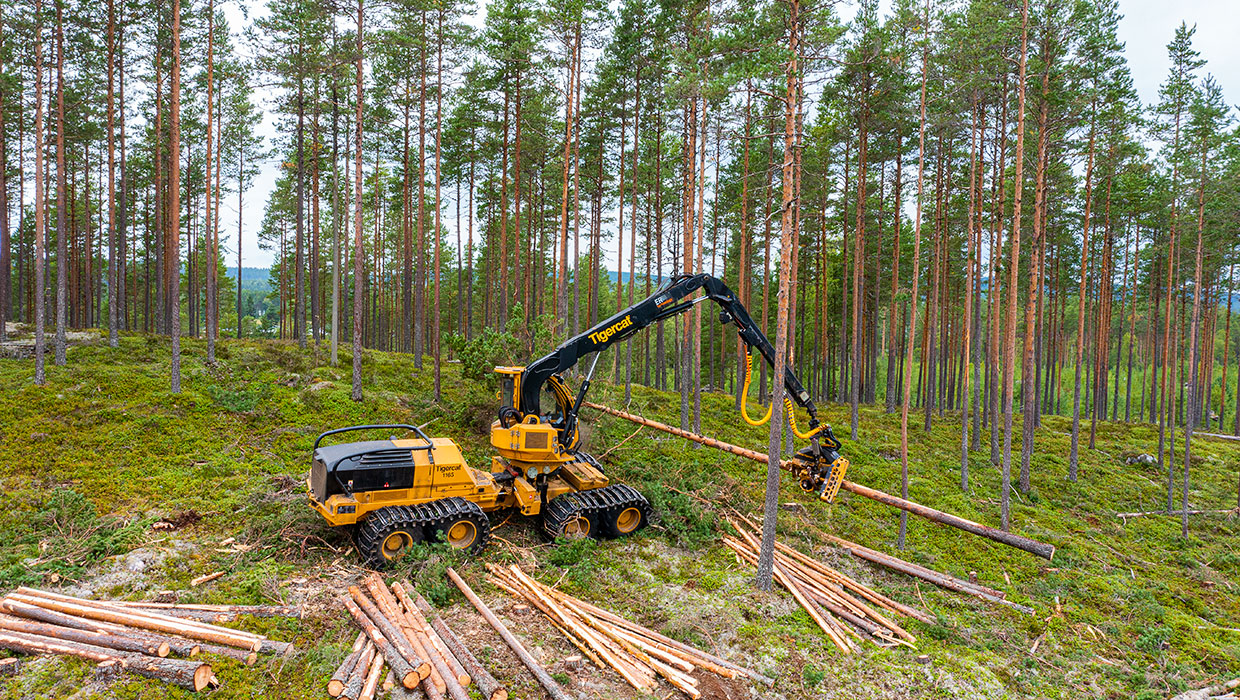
95 465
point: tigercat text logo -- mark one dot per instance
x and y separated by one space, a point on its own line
602 336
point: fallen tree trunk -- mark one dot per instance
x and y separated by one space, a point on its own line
95 610
186 674
246 657
486 683
548 683
254 610
107 640
1178 513
938 578
1040 549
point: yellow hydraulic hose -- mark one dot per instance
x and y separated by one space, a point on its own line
792 421
745 396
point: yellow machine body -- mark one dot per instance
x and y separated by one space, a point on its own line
527 451
440 472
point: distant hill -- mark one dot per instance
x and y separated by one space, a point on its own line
255 278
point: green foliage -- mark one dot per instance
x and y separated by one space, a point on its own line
243 400
571 551
482 353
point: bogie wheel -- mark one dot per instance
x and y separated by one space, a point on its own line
387 534
463 525
630 514
569 516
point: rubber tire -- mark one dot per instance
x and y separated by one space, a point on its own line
373 532
562 511
475 516
613 528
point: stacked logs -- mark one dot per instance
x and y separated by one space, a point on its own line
640 655
845 610
402 633
126 637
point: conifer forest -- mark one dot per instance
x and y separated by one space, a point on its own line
952 218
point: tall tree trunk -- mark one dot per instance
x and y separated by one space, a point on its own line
912 323
173 254
212 257
435 337
358 309
766 555
1028 383
1014 273
858 254
62 231
974 224
40 201
1190 419
299 275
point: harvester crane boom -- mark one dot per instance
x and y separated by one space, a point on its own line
673 298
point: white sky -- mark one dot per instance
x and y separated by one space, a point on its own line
1147 27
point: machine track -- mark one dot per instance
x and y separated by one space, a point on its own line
388 532
611 511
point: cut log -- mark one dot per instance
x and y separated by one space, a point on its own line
390 609
246 657
574 662
1024 543
548 683
371 686
392 631
10 666
254 610
176 645
274 647
186 674
940 579
107 640
423 625
409 676
134 618
490 688
692 654
335 686
208 616
357 675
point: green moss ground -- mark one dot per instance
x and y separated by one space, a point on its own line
89 464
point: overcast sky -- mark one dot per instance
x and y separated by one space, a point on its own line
1147 27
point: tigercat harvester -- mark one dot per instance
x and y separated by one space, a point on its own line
398 492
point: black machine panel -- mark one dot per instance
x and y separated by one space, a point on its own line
360 466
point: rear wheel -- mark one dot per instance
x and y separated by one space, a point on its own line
569 516
388 534
629 511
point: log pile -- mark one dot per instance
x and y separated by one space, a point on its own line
134 637
848 612
639 655
402 634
